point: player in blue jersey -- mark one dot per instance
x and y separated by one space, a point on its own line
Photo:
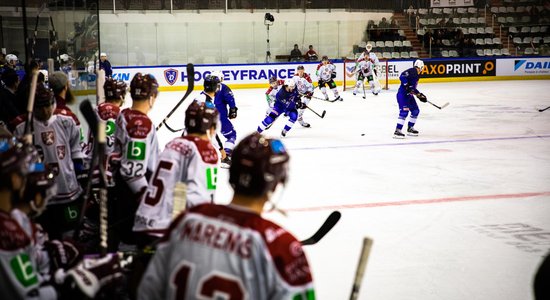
406 101
224 99
287 101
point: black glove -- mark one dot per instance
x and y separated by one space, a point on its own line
333 75
309 95
421 97
300 105
233 112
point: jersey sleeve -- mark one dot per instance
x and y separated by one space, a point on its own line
228 96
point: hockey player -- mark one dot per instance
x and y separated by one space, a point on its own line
369 55
287 102
274 86
56 136
231 250
224 98
185 175
405 99
136 143
305 90
364 72
326 74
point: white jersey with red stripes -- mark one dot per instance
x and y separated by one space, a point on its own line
58 141
136 142
227 250
189 160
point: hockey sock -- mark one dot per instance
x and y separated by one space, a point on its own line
324 91
335 91
401 120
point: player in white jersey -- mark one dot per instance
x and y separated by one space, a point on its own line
57 139
136 141
305 90
186 173
230 249
369 55
274 86
326 73
364 72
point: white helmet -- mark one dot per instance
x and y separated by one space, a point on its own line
64 57
218 74
419 64
11 58
290 82
369 47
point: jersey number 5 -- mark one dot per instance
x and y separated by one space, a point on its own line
153 197
208 286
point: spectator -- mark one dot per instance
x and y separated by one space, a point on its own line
104 64
311 54
383 24
450 23
296 54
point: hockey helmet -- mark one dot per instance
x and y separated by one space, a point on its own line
143 86
272 79
259 164
300 67
43 97
200 117
290 83
419 64
369 47
114 89
40 181
17 159
218 74
64 57
12 59
211 83
324 58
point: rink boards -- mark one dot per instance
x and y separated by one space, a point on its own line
173 78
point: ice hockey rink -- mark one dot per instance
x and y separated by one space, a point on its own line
460 212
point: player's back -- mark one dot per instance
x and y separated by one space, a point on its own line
408 78
227 249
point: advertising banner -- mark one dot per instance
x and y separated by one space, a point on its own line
536 66
451 3
458 68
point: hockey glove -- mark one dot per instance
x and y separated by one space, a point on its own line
233 112
300 105
422 97
63 254
95 276
333 75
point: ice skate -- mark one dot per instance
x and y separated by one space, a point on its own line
398 134
283 133
303 123
412 132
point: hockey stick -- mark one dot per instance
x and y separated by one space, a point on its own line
323 99
541 110
190 86
331 220
92 119
440 107
362 264
101 141
322 115
28 135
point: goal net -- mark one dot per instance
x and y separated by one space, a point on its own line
350 79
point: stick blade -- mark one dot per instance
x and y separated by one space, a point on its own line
445 105
332 219
323 114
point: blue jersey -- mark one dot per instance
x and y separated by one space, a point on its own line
224 98
286 101
409 80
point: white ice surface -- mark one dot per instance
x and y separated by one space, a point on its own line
445 209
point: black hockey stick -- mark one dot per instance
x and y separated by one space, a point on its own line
322 115
440 107
332 219
541 110
92 119
190 87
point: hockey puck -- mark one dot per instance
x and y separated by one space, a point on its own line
362 134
